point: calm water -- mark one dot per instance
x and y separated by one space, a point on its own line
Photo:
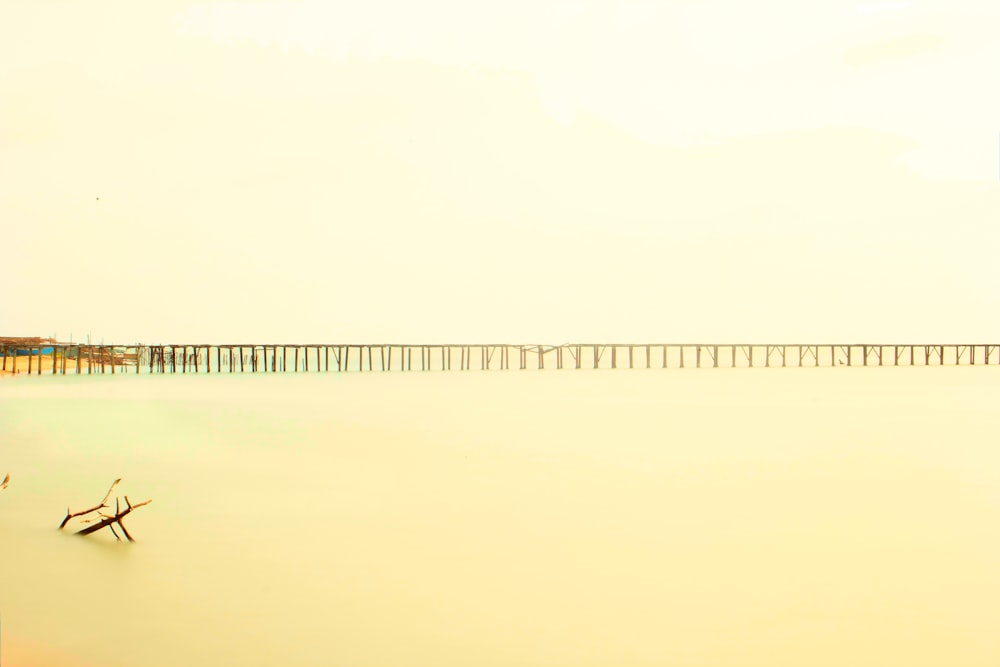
715 517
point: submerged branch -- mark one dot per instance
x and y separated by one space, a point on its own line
105 520
95 508
110 520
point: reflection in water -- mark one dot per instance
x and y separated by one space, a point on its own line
732 517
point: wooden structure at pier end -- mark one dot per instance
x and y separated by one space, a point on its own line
82 359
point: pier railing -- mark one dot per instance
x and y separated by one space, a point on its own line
79 359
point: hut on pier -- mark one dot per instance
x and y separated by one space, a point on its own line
24 346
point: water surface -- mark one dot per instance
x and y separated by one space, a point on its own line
648 517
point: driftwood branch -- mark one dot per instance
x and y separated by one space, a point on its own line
103 520
95 508
109 520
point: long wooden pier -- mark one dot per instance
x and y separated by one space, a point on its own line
78 359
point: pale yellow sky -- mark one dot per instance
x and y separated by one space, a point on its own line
522 171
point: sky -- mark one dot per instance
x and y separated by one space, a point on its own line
536 172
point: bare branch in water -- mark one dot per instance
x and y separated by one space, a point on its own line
71 515
102 520
111 520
